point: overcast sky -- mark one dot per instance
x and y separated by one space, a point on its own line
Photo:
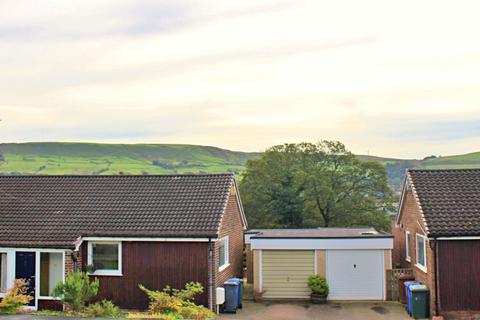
392 78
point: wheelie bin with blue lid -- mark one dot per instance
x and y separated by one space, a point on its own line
240 291
232 291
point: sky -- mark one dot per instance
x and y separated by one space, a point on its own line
389 78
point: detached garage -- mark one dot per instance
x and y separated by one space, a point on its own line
353 260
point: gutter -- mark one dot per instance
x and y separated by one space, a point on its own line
435 273
210 289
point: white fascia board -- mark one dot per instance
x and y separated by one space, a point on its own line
248 236
332 244
133 239
456 238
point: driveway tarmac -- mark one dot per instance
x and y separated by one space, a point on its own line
330 311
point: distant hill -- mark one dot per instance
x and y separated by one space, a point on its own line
97 158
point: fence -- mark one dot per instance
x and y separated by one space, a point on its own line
392 282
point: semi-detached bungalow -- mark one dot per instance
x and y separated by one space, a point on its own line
150 230
437 234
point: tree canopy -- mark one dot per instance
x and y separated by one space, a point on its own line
309 185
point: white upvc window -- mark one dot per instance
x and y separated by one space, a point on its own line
407 246
105 257
3 272
421 252
223 253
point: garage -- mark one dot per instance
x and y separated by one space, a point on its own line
353 260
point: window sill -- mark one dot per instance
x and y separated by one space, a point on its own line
225 266
106 273
48 298
408 259
422 268
2 294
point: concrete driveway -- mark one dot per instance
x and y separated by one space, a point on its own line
330 311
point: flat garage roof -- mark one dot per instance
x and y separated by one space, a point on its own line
319 238
317 233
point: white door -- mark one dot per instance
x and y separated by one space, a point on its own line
355 274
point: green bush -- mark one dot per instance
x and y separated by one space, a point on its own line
194 312
162 301
318 285
164 316
103 309
178 302
15 298
76 291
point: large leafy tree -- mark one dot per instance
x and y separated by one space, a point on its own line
323 184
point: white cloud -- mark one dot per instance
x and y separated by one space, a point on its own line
241 74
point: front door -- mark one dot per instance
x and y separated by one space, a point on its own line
25 269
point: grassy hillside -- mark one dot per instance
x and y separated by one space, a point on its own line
91 158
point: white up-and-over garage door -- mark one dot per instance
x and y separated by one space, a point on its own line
355 274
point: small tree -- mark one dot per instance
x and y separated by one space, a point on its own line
77 290
16 297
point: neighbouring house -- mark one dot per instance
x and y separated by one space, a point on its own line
437 234
353 260
151 230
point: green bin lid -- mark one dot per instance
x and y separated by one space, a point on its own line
419 287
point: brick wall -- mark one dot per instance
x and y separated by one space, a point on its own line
411 220
69 264
232 226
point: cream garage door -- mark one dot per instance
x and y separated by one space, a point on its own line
285 273
355 274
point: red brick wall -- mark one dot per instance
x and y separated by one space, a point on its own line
69 264
232 226
411 220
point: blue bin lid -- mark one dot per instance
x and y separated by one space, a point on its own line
233 281
411 283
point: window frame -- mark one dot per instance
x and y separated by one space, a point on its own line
226 264
408 255
417 263
39 275
105 272
2 293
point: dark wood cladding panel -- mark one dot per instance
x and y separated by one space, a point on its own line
459 275
50 305
154 265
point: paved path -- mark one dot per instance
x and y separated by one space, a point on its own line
330 311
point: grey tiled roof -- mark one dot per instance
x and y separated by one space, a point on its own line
53 211
449 200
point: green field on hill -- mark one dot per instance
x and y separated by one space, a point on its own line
96 158
91 158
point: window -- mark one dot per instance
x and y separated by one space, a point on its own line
407 246
3 272
106 258
223 252
51 272
421 251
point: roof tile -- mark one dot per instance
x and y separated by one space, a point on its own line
53 210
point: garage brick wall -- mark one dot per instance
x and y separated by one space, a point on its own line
321 263
411 220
